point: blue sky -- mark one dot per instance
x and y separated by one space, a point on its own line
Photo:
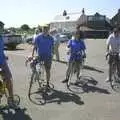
14 13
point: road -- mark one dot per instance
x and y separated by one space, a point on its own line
98 102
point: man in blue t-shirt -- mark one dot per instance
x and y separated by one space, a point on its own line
76 53
43 45
5 70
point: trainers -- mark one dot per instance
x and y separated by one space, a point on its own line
65 81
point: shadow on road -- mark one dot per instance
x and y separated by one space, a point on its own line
60 61
92 69
55 96
18 114
85 66
17 49
86 84
61 97
88 88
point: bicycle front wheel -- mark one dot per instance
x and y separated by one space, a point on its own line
73 77
36 92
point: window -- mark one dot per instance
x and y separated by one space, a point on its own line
90 18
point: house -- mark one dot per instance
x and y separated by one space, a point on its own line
65 22
115 21
96 24
1 25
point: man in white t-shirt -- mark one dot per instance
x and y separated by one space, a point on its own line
37 31
113 46
56 38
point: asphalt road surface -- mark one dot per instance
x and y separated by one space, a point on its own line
97 102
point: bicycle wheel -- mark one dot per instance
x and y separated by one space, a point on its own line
33 77
72 80
36 92
115 82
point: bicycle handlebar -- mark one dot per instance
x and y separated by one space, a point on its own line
111 53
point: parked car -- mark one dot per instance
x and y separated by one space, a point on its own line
12 40
29 39
63 38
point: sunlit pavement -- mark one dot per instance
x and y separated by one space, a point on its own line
98 102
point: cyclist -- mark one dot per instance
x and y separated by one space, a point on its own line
5 69
113 46
75 47
43 45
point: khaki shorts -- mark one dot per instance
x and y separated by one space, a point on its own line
6 71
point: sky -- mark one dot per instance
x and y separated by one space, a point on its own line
15 13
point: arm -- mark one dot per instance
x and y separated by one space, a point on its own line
69 43
69 46
33 51
108 44
2 46
83 48
52 39
35 46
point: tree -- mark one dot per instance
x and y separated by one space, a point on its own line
25 27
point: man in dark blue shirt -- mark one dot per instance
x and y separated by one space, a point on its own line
5 69
43 45
76 53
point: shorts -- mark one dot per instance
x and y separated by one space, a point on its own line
48 64
6 71
47 61
113 58
75 63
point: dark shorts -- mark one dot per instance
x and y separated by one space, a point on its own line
6 71
47 64
113 58
47 61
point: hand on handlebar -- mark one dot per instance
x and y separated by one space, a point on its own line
106 55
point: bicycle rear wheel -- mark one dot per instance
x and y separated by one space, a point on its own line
115 79
115 82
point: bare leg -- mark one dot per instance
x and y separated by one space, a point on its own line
47 69
57 54
78 70
118 68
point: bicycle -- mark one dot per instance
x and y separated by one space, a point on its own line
4 92
38 77
115 78
75 69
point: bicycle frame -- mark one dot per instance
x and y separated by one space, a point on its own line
74 68
3 89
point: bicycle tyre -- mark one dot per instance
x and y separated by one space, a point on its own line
35 77
31 82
